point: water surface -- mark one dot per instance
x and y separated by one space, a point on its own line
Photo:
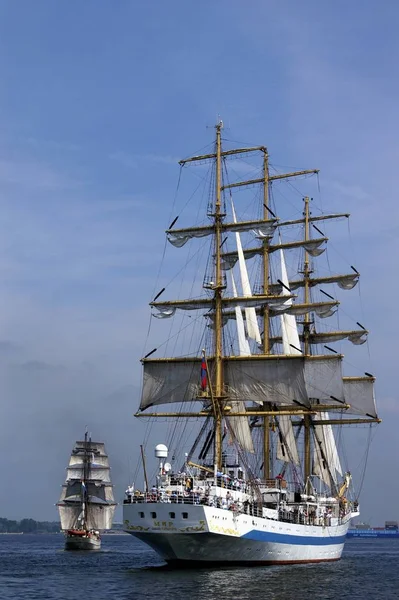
37 567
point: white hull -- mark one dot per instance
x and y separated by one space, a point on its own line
82 543
214 535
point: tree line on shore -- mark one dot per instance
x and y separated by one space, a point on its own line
28 526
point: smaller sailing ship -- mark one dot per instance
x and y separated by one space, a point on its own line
86 505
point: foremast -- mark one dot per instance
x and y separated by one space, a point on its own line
218 395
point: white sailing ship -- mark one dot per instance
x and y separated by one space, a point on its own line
86 505
262 482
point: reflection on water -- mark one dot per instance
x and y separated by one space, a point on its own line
36 567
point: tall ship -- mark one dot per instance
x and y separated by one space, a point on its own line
86 505
248 380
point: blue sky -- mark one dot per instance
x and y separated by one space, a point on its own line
98 100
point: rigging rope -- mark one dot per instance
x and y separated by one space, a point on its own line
365 461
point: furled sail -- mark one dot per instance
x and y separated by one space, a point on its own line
313 247
168 308
345 282
260 228
356 337
322 310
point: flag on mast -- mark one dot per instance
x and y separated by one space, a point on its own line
204 379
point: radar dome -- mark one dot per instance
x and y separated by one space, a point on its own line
161 451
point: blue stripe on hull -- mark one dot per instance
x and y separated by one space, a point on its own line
296 540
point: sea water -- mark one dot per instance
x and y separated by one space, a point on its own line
37 567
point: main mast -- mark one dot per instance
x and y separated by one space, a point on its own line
218 395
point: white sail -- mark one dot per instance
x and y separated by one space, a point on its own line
96 472
87 489
320 465
229 259
242 340
345 282
359 393
287 450
260 228
322 309
167 309
95 490
326 462
250 313
276 379
356 337
323 378
96 461
239 426
289 328
100 516
69 515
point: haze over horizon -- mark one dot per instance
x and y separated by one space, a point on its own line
98 103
